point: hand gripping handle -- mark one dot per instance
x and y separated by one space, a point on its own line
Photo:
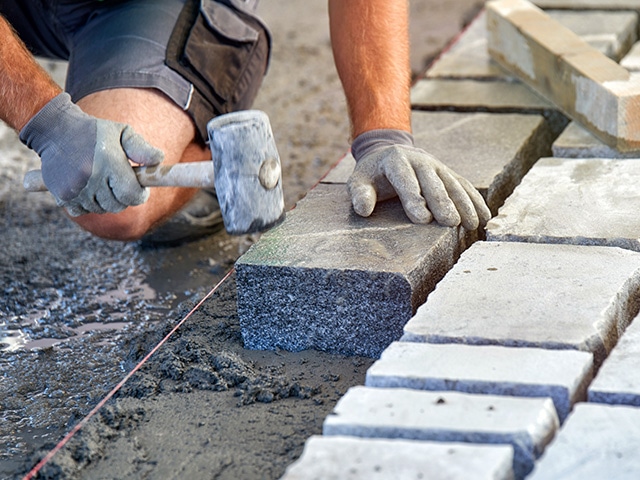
191 175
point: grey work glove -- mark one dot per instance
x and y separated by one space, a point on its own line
388 165
85 160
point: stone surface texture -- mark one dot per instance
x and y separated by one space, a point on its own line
474 96
631 61
504 350
474 145
527 424
576 141
587 85
523 294
597 441
612 33
618 381
348 458
331 280
575 201
562 375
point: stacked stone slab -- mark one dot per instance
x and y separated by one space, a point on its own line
588 86
504 351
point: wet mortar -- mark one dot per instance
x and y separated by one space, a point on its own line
77 313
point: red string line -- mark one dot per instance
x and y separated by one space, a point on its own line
95 409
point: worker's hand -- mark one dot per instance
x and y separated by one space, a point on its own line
85 160
388 165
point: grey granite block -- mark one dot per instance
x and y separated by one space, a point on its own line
577 142
348 458
562 375
331 280
612 33
493 151
618 381
527 424
574 201
535 295
596 442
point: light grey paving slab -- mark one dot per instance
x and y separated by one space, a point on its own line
475 146
527 424
348 458
341 171
631 61
331 280
612 33
576 201
562 375
473 95
535 295
618 380
492 151
596 442
576 141
468 57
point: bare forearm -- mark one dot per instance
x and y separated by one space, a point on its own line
24 86
371 49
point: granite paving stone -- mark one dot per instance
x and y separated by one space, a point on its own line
331 280
475 146
611 33
585 84
468 57
471 95
527 424
631 61
618 380
562 375
348 458
341 171
596 442
533 295
576 201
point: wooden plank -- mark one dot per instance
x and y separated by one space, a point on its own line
586 85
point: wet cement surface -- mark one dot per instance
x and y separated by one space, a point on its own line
78 313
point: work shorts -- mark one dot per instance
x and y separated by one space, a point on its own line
208 56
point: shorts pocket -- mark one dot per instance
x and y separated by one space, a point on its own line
223 51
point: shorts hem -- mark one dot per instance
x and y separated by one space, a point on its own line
180 94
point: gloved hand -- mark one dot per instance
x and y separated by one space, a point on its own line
85 160
388 165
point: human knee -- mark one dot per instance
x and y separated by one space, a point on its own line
128 225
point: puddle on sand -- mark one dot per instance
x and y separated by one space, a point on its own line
15 335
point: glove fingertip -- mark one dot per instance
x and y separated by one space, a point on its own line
363 207
139 150
75 211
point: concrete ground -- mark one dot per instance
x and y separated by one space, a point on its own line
77 313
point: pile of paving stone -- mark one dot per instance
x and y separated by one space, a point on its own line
523 360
